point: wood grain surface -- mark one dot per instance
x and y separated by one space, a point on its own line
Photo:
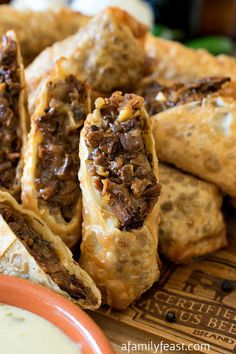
205 313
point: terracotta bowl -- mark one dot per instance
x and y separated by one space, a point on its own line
62 313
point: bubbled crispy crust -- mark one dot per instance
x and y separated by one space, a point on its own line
200 138
111 31
192 223
16 260
123 264
69 232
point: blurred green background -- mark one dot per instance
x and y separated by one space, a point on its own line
209 24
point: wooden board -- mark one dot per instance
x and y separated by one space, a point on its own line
205 313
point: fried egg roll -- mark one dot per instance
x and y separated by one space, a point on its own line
119 181
50 185
14 119
192 223
200 138
109 51
29 250
37 30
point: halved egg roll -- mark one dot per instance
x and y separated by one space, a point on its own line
29 250
37 30
50 185
14 119
109 51
192 223
119 181
200 138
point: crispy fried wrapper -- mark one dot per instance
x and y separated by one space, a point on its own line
200 138
28 249
192 223
111 31
50 185
119 181
37 30
14 114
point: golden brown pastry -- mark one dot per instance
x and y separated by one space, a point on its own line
200 138
37 30
192 223
108 51
13 114
119 181
50 185
29 250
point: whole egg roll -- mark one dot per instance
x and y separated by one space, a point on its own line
119 181
14 121
28 249
109 51
200 138
50 185
37 30
192 223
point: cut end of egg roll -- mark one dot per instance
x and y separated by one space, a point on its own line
192 223
29 250
13 114
119 180
50 185
93 47
159 97
200 138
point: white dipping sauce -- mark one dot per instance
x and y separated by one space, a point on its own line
23 332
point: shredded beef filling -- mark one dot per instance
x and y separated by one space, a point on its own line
9 113
119 163
44 254
58 153
159 97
